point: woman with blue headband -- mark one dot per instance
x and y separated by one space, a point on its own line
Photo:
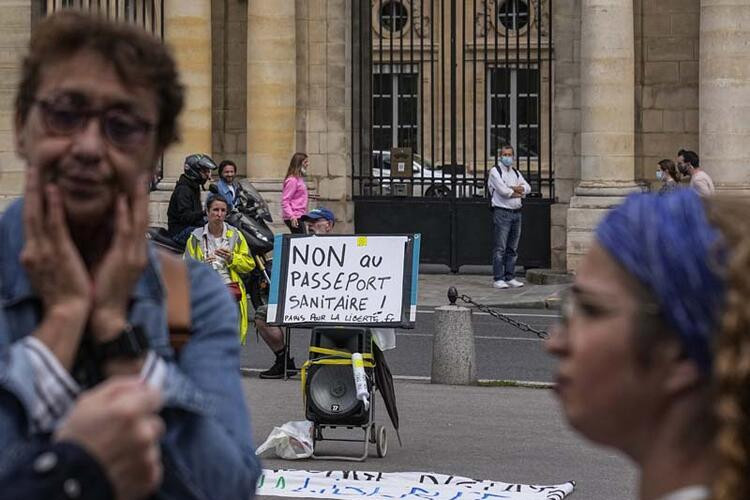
653 347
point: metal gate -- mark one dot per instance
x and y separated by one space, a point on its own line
438 86
148 14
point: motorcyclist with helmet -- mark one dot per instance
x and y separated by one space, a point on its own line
185 212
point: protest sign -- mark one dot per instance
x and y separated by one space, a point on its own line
400 486
339 280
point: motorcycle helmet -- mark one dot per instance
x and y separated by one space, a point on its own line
195 163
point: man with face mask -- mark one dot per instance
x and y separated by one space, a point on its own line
507 188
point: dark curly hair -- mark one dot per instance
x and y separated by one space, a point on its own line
138 58
732 365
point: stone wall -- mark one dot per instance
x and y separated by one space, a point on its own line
323 120
15 29
667 52
229 61
725 94
566 120
187 31
666 96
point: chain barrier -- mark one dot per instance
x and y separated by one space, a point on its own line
453 295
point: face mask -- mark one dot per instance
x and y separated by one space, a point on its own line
506 160
303 171
659 175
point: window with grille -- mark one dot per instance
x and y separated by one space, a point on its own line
513 14
513 108
393 15
395 102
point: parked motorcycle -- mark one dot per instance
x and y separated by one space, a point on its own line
251 216
160 237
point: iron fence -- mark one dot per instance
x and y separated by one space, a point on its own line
439 85
148 14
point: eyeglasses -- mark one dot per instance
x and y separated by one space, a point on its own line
573 305
122 129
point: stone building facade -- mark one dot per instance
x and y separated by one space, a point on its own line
633 81
631 93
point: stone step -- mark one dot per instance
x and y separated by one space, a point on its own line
548 277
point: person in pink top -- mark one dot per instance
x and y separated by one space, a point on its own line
294 195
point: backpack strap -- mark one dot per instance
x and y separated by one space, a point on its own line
489 189
177 289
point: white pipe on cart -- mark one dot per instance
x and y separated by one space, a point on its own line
360 379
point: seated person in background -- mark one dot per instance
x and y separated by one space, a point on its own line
185 211
318 221
638 362
227 185
224 248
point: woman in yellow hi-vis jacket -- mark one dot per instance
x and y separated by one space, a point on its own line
225 249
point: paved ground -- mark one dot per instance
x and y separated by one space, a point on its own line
503 352
433 290
500 433
503 433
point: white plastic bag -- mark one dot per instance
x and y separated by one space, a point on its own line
291 441
385 338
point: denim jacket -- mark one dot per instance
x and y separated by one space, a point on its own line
207 448
227 193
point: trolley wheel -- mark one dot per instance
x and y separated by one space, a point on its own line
381 441
373 434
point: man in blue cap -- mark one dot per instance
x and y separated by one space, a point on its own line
318 221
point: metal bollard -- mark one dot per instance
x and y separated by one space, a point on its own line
453 353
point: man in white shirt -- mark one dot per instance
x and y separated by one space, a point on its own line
699 180
507 188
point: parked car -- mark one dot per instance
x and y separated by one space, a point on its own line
426 180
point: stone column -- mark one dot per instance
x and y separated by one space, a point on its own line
725 93
607 118
15 29
187 30
271 87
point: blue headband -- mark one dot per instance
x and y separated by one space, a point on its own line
667 243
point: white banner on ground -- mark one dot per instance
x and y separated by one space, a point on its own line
399 486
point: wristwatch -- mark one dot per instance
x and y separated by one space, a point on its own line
130 344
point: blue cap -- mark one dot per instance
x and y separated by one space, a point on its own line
319 213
